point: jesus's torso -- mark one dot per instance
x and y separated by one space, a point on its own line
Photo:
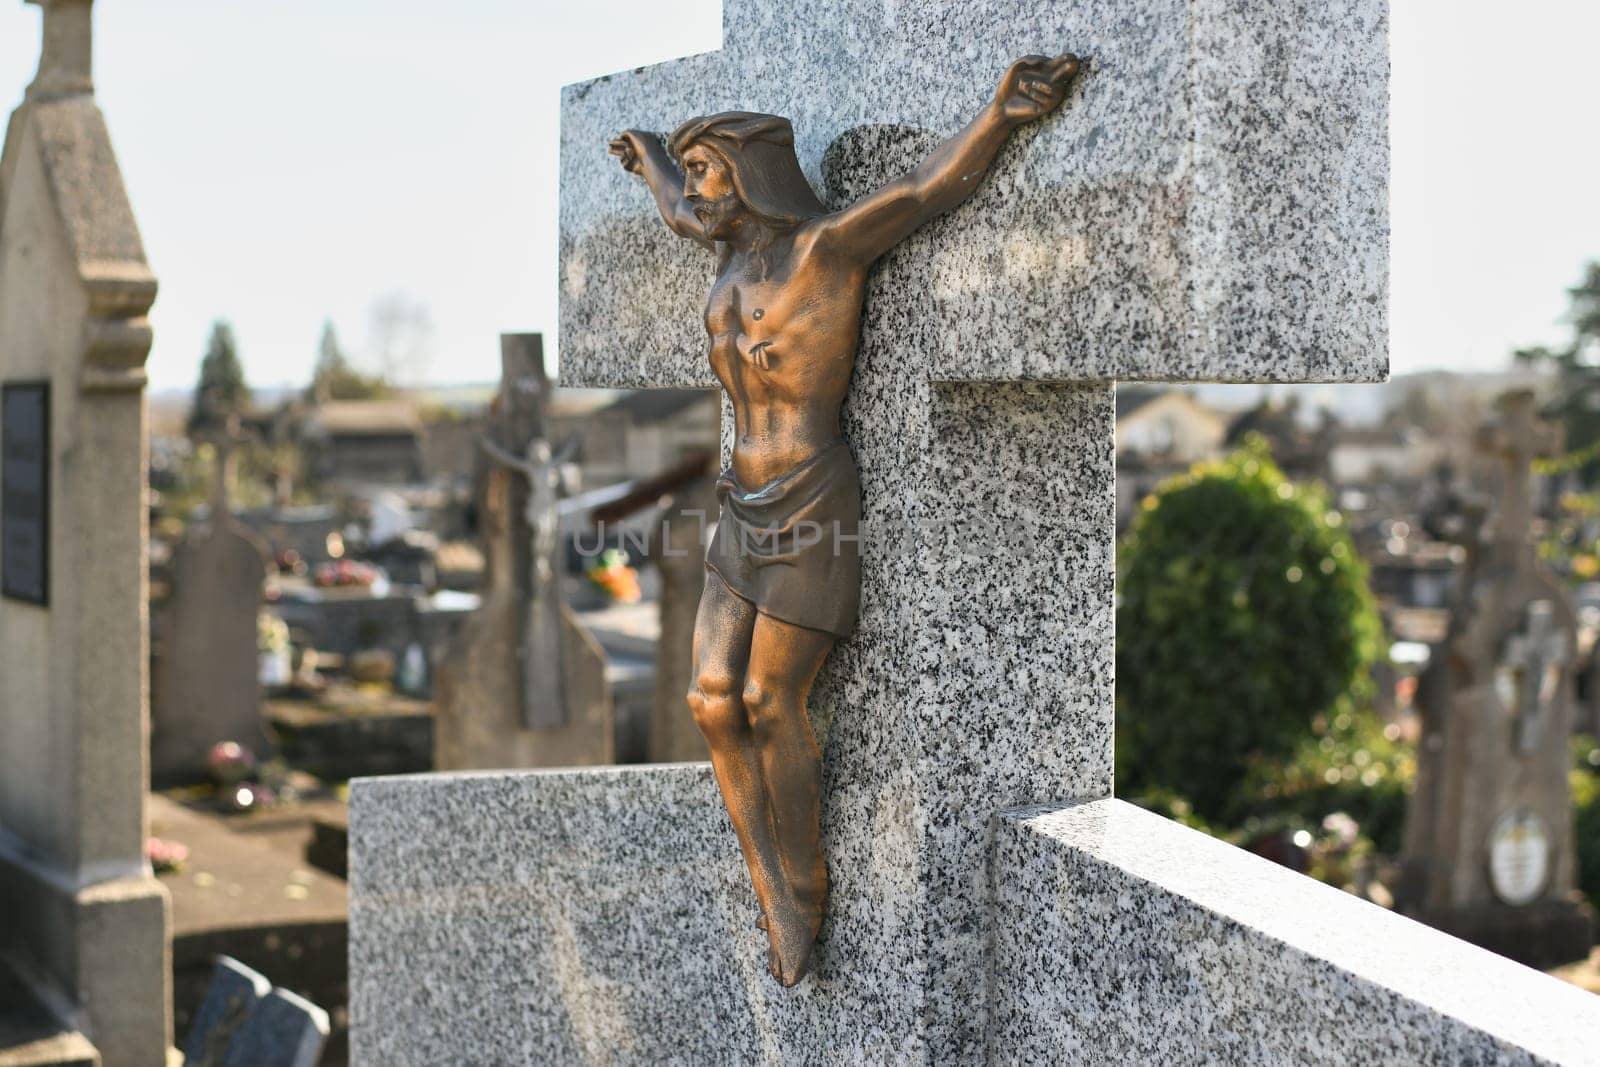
784 307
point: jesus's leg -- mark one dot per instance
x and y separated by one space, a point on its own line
722 632
784 660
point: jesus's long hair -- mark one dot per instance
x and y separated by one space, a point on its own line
760 153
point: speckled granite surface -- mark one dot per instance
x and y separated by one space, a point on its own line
1210 204
599 917
1124 938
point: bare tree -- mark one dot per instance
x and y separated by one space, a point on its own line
402 338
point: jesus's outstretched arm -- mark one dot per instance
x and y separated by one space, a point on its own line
642 154
1033 87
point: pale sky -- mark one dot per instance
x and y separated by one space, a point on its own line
293 161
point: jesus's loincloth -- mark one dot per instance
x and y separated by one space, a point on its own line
791 547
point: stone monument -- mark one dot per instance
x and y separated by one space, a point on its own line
524 684
1489 852
85 924
1210 204
208 678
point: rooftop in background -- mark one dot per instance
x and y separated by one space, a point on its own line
350 417
653 405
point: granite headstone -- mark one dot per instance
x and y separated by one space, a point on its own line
208 679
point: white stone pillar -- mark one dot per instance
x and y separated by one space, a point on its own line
86 923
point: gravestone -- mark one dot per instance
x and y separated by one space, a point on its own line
523 684
284 1030
208 685
1210 204
232 996
85 923
1489 850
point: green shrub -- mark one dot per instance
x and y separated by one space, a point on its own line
1243 616
1350 763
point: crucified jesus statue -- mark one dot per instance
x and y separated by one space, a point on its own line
784 319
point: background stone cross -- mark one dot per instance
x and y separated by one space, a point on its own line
1210 204
543 686
1517 439
1533 656
516 441
1533 661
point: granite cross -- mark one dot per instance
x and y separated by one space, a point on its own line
1516 440
1532 659
516 441
1209 205
224 441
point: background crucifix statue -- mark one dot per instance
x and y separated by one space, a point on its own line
524 683
543 684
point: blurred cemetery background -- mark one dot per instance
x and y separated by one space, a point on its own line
1358 626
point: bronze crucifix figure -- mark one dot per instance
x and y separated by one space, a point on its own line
784 571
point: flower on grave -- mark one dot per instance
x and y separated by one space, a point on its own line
1343 830
230 763
272 634
345 573
164 855
613 575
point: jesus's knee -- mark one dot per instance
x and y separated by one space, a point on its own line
715 706
763 705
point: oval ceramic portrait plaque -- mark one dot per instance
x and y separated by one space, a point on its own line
1519 857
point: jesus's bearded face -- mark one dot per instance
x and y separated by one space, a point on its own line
708 186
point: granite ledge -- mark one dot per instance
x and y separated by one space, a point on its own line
1109 918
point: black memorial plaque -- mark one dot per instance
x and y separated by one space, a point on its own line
25 492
